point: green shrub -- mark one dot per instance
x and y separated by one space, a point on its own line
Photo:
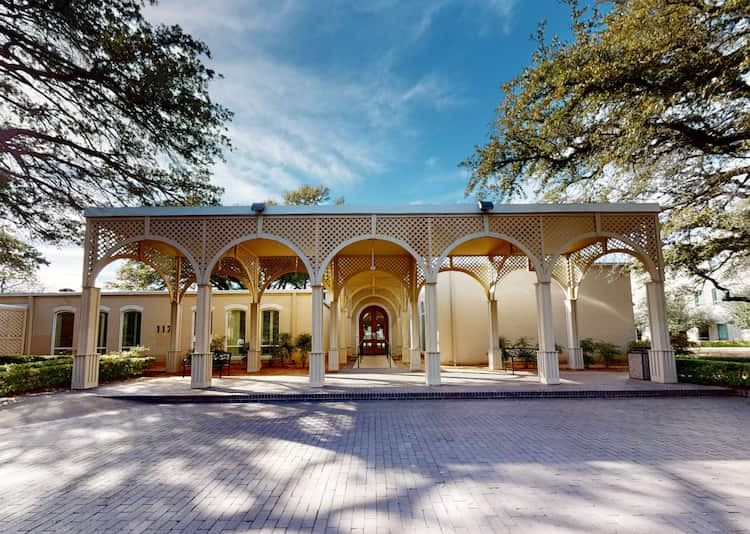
608 352
713 372
679 342
121 368
718 358
52 373
724 343
639 345
18 358
587 348
21 377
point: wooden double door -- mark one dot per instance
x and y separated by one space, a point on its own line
373 331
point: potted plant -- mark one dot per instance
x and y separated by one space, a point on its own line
607 352
303 344
587 348
285 347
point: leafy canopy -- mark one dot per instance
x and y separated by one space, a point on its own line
649 101
19 263
100 107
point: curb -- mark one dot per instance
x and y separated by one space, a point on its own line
334 396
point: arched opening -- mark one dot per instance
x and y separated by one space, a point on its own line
63 332
374 332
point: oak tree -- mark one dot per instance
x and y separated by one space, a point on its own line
650 100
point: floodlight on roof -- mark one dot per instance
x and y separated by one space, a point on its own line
485 205
258 207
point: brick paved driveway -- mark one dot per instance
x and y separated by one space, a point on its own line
69 462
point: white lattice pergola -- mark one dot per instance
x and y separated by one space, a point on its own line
407 246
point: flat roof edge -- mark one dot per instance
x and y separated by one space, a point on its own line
418 209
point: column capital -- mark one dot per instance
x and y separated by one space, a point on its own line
542 282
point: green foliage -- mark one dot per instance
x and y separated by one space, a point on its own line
587 348
608 352
100 107
137 276
713 372
679 342
639 345
681 314
307 195
503 342
218 343
648 101
724 343
740 314
121 368
42 373
19 263
17 358
303 343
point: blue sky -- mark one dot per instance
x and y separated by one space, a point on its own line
379 100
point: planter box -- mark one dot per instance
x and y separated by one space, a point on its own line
638 366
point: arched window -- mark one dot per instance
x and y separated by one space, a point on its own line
101 334
235 334
62 337
131 329
269 332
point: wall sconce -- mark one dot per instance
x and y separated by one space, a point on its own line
258 207
485 205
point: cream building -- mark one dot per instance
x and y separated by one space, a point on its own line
376 275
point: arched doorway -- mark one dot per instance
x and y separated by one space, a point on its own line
373 331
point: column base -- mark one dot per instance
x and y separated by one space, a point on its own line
575 358
317 369
200 370
548 364
342 357
663 366
415 360
432 365
495 360
253 361
85 371
405 354
173 360
333 361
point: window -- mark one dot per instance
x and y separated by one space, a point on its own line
101 335
131 329
62 338
717 295
235 334
697 298
269 333
722 331
703 332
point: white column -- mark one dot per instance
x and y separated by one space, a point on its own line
317 356
175 334
546 357
432 358
342 341
661 356
333 336
253 355
200 368
415 355
575 354
86 359
494 354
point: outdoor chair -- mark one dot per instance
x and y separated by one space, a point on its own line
221 359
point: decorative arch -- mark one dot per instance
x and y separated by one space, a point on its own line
375 301
109 256
637 252
205 277
366 237
432 275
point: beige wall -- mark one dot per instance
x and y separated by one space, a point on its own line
605 312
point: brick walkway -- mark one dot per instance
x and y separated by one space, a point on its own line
77 463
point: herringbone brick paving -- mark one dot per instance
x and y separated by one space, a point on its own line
82 464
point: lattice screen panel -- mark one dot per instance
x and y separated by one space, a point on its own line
482 268
335 230
298 230
511 264
187 231
229 266
12 327
271 267
224 230
345 267
106 234
559 229
448 229
412 230
524 228
641 229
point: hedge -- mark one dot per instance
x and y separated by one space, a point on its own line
714 372
724 343
53 373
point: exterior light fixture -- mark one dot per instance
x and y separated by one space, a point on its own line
258 207
485 205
